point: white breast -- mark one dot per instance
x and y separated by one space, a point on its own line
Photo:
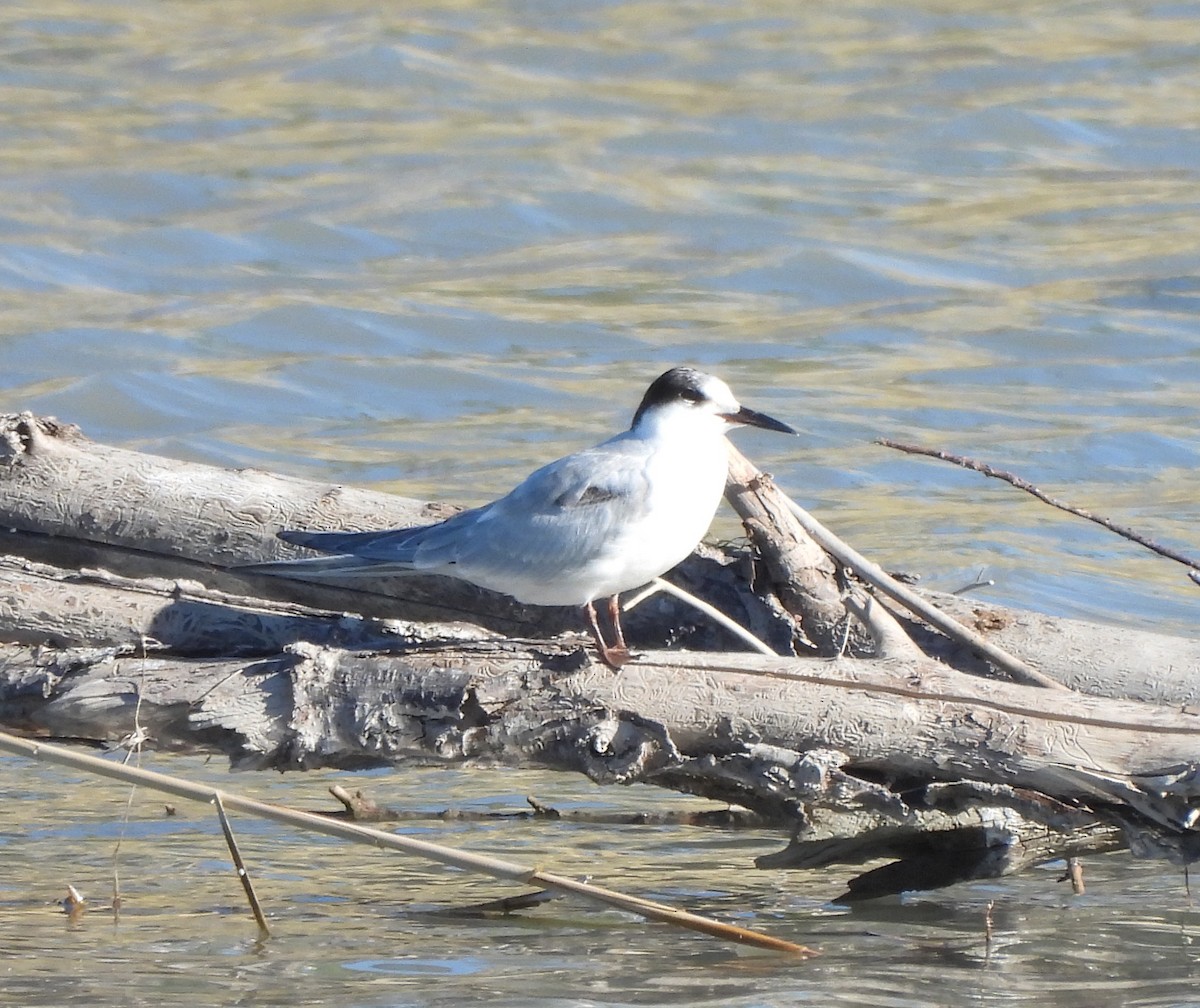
686 489
547 544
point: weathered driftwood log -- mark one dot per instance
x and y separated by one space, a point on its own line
179 520
111 595
87 507
955 775
1095 658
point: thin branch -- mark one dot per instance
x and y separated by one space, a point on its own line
913 602
243 875
889 636
74 903
481 863
132 745
715 614
1023 484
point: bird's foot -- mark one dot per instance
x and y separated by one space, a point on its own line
615 656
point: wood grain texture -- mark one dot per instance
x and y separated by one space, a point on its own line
123 611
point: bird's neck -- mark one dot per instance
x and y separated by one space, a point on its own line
676 428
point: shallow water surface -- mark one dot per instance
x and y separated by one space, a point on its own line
426 248
354 926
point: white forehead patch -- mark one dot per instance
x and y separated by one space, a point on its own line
718 392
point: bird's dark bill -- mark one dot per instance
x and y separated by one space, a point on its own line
752 418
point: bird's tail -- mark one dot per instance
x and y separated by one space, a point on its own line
342 564
321 568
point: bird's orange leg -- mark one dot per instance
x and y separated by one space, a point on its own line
614 614
594 626
617 655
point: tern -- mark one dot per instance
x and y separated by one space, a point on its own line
589 526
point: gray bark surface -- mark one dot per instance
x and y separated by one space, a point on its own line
116 596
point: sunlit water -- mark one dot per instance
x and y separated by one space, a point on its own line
428 248
353 926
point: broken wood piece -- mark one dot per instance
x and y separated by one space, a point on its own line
798 571
503 906
873 574
74 903
812 531
360 808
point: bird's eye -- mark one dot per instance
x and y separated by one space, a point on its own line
691 397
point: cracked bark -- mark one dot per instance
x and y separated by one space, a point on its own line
117 588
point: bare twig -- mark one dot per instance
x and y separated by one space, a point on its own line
243 875
735 628
979 582
874 574
132 744
1022 484
481 863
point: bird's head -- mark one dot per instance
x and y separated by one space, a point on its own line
684 397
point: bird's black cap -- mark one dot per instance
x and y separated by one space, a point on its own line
684 384
680 383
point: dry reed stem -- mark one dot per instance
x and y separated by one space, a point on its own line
715 614
243 875
480 863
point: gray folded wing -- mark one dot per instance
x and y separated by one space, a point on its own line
563 515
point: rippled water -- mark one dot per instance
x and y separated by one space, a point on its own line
353 926
428 248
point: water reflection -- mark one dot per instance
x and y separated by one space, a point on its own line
429 248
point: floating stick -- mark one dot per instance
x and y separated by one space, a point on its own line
480 863
243 875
